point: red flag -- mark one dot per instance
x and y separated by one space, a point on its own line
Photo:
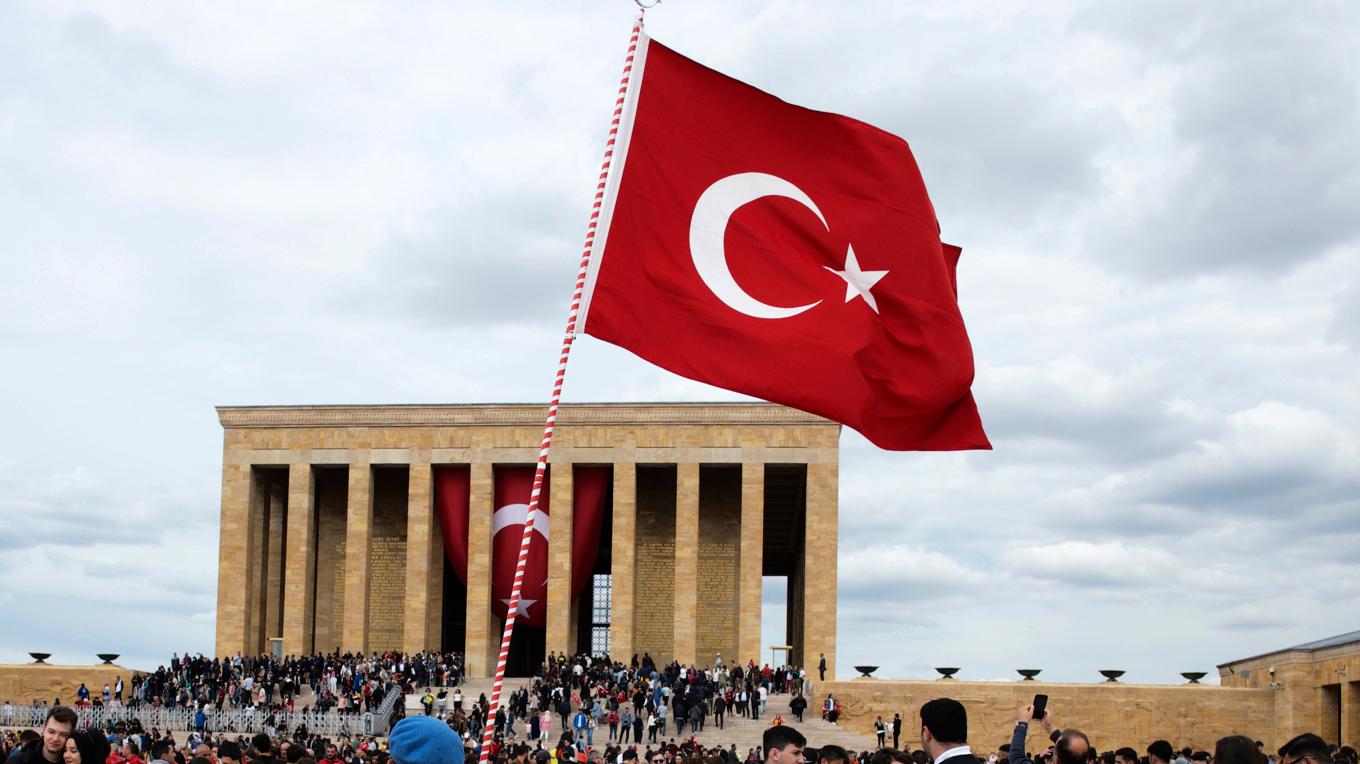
512 486
780 252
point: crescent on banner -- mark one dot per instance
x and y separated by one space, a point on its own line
517 514
708 226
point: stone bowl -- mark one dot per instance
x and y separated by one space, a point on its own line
1111 675
865 671
1028 674
947 672
108 658
40 657
1193 676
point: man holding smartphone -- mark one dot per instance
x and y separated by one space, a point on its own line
1070 747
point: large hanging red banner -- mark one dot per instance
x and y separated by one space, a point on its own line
452 493
510 494
511 488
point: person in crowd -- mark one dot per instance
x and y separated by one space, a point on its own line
832 754
262 750
1015 750
1237 749
424 740
86 747
1307 748
229 752
944 732
160 751
783 745
887 755
50 745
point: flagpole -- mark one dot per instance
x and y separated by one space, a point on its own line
512 608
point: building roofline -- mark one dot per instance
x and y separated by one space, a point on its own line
514 414
1350 637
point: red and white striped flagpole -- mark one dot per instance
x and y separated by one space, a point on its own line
513 607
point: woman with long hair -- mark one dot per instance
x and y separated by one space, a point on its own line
86 746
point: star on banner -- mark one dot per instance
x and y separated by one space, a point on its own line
858 282
524 605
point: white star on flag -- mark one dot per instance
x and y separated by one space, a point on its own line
524 605
858 282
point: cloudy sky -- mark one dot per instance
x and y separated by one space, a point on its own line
265 203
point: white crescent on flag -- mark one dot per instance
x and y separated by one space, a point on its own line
515 514
708 227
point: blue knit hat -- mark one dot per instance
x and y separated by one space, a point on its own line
424 740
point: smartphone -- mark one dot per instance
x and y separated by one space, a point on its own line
1040 703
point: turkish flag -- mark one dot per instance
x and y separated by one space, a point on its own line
511 487
510 493
780 252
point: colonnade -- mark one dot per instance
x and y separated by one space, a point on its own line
285 521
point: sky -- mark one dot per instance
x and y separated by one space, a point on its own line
353 202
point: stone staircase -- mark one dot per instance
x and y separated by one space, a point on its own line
740 731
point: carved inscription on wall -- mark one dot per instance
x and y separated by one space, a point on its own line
387 593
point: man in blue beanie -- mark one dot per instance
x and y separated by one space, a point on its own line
424 740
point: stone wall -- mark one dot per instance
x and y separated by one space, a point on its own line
24 683
387 560
332 491
654 614
1111 714
1316 690
719 537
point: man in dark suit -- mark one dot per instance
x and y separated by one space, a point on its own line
944 732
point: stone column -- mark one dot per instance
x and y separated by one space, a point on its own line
419 539
560 635
299 594
623 561
819 567
358 550
233 559
685 630
1350 706
435 611
751 561
482 640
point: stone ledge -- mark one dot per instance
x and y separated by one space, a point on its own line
514 414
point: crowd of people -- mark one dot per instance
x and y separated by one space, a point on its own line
589 696
342 682
579 709
429 739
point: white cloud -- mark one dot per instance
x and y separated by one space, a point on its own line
384 203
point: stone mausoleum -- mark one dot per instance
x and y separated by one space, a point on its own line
369 528
375 528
